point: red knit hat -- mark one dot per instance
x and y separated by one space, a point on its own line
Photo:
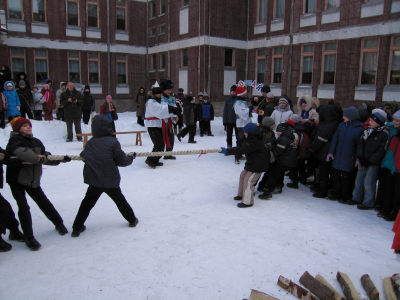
291 123
17 122
240 91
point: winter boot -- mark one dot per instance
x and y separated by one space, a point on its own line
201 134
175 131
237 161
4 246
158 164
179 136
266 195
170 157
277 190
242 205
319 195
192 142
292 185
210 134
61 229
238 198
76 233
16 235
134 223
150 164
33 244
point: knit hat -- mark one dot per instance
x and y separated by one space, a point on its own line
396 115
291 123
200 94
363 106
21 82
189 98
87 87
303 101
283 100
17 122
108 97
9 84
267 121
240 91
265 89
295 118
180 90
233 88
282 127
250 128
35 87
157 90
270 95
166 85
351 113
379 116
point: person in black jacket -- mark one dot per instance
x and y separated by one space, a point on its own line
22 76
103 155
5 75
189 118
260 102
257 160
26 99
88 104
229 117
320 146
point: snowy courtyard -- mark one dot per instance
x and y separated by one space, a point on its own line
192 241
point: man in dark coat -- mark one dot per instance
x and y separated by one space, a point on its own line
190 117
103 155
88 104
229 116
72 101
260 102
5 75
26 99
22 76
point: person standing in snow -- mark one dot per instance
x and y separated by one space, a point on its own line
109 110
229 117
282 112
140 102
261 102
13 103
38 101
72 101
103 155
49 102
179 99
206 115
88 105
190 117
60 108
26 99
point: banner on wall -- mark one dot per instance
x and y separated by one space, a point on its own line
252 83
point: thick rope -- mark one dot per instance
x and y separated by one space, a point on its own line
189 152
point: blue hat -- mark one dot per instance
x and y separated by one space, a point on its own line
396 115
351 113
379 116
250 128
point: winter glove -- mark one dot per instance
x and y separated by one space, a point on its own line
358 165
224 151
269 146
173 110
364 162
330 157
42 159
66 159
133 154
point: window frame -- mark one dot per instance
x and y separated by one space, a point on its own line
66 3
258 12
369 50
392 49
260 57
124 7
124 61
165 8
159 29
91 2
152 9
328 52
304 54
22 11
98 66
45 13
183 3
233 57
75 59
274 11
153 62
182 56
326 6
42 58
17 56
150 31
304 7
161 61
272 64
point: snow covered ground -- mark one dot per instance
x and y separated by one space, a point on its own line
192 241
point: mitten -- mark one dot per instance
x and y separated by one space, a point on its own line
358 165
66 159
330 157
224 150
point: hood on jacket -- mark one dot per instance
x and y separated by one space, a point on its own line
393 106
17 78
61 83
316 101
309 101
6 68
101 126
287 108
327 114
49 81
5 86
141 87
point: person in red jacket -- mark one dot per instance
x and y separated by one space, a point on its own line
49 102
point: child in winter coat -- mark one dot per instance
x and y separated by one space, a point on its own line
60 108
257 160
26 99
38 101
343 153
88 104
103 155
49 102
229 116
282 112
206 112
109 110
189 118
26 178
371 148
305 109
13 103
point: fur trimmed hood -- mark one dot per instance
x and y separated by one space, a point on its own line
309 101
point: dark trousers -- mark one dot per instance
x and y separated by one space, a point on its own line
205 126
179 123
299 173
140 121
60 114
386 190
38 115
275 177
324 170
191 129
7 216
2 121
92 195
86 116
229 133
156 136
77 124
239 139
24 214
171 137
26 111
343 184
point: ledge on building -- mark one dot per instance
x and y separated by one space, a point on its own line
276 89
16 26
304 89
395 6
41 28
161 15
391 93
326 92
260 28
277 25
96 88
73 31
122 89
330 16
371 9
308 20
93 33
365 93
121 35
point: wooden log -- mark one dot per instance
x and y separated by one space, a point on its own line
348 288
257 295
369 287
316 287
337 295
389 290
295 289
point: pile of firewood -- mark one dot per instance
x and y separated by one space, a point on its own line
319 288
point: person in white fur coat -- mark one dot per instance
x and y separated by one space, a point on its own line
305 110
282 112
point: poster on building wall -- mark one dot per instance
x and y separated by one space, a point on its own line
252 83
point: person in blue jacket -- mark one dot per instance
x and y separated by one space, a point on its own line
343 153
206 115
13 103
229 116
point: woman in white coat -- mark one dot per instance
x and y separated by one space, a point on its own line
282 112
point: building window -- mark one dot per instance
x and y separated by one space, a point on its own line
41 72
121 69
72 13
162 61
277 60
307 58
369 60
260 60
394 75
74 69
17 61
121 15
279 9
153 12
39 11
161 29
329 62
309 6
153 62
332 4
229 58
185 58
94 62
92 14
162 7
262 11
152 31
185 2
15 10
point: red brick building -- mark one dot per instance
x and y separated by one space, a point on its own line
343 49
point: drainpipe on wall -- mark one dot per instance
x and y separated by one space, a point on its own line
198 63
209 48
247 39
169 44
290 48
148 86
108 50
